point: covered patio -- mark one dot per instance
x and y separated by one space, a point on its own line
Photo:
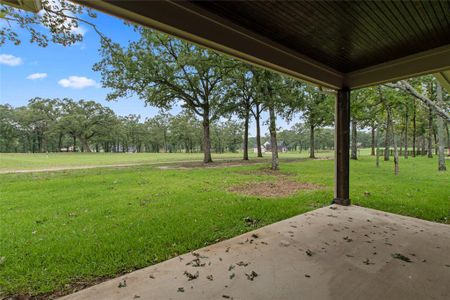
336 252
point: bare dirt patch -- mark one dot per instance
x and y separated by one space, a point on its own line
281 187
225 163
264 172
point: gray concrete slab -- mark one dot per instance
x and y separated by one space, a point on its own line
330 253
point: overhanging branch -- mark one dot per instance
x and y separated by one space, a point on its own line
405 86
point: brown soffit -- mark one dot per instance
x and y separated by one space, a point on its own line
192 23
28 5
444 79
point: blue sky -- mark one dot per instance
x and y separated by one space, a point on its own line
28 71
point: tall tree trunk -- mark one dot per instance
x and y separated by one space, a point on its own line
423 146
414 130
354 154
372 152
430 133
273 138
246 121
206 138
436 146
311 141
396 166
448 139
39 141
441 132
84 144
394 140
387 139
406 132
60 142
378 147
45 144
258 131
74 143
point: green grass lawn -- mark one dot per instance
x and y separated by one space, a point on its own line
36 161
61 228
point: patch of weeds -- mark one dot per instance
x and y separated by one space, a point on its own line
249 221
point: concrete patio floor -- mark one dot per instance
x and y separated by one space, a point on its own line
333 252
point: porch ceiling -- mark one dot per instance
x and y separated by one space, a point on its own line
333 44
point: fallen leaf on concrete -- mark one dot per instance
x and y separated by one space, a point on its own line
285 243
401 257
123 283
251 276
191 276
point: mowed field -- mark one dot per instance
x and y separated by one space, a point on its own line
55 161
61 231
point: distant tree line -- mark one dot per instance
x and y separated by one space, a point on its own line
65 125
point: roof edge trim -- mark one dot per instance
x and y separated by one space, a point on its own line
422 63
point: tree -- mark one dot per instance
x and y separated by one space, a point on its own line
317 109
406 86
158 131
441 132
256 111
9 131
423 89
226 136
391 101
43 115
84 120
60 20
242 95
162 70
276 93
186 131
365 112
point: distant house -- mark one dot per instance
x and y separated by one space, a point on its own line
255 149
267 147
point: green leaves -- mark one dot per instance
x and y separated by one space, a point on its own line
61 20
162 70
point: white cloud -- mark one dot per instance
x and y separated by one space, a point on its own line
79 30
35 76
77 82
10 60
